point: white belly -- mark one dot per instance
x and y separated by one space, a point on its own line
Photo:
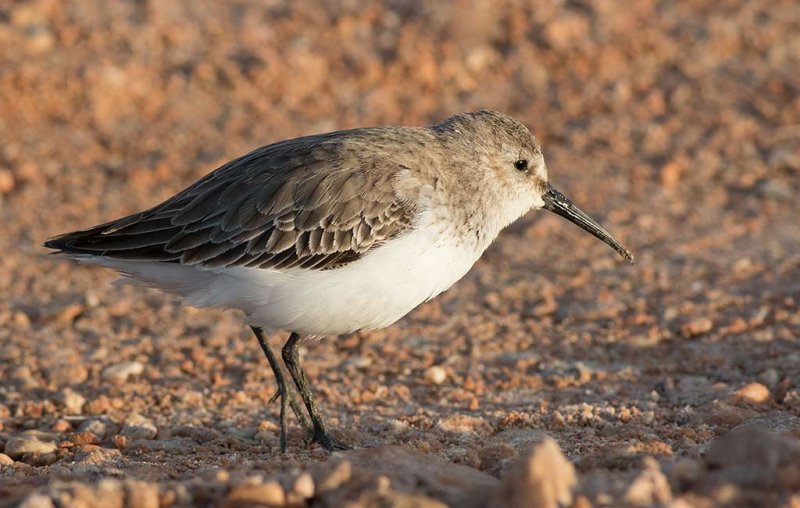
372 292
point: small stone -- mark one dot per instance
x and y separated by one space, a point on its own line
337 477
141 494
753 392
557 420
101 404
33 447
304 486
7 181
102 427
61 425
435 375
91 456
84 438
120 442
396 499
73 401
566 31
266 432
69 313
111 492
544 478
671 173
650 487
267 494
697 326
120 372
138 427
464 424
36 500
5 460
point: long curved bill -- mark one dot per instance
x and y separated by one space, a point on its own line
561 205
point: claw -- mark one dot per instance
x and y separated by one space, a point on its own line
328 442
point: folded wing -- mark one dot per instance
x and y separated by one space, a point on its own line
306 203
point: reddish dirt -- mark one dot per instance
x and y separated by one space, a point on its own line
676 123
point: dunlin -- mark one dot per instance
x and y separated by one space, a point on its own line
333 233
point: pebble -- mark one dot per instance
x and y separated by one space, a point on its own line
84 438
650 487
137 426
697 326
91 456
141 494
73 401
110 491
267 494
753 392
464 424
61 425
304 486
7 181
33 447
337 477
544 478
120 372
435 375
36 500
101 427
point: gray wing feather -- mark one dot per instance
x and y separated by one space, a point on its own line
302 203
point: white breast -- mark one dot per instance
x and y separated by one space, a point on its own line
372 292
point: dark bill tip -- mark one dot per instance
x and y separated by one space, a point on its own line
561 205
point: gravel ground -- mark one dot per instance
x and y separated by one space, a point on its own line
552 374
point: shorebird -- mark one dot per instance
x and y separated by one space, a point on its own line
333 233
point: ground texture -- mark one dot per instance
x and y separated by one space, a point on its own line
552 374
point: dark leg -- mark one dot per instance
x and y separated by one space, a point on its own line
283 389
291 358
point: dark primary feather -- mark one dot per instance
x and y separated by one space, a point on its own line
310 203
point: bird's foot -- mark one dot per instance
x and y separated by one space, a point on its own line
323 438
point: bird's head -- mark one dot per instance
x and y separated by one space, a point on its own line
513 157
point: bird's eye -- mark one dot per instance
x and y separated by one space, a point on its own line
521 165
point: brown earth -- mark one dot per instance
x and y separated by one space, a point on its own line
671 382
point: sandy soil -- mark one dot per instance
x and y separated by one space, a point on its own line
672 382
